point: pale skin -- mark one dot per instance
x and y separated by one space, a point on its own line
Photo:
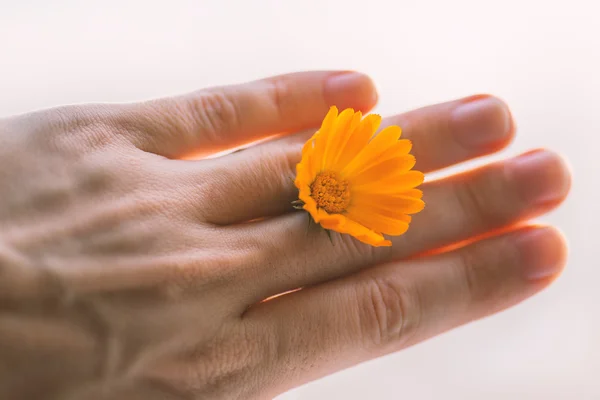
129 270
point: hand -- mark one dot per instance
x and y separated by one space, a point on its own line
130 271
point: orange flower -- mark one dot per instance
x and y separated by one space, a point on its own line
351 182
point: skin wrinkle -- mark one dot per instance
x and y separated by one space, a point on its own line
94 332
105 222
77 129
224 181
85 330
218 113
108 345
278 92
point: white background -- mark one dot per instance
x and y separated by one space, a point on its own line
542 57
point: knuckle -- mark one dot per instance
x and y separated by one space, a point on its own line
22 280
219 368
211 113
270 167
186 278
390 312
279 92
276 162
353 249
216 111
105 171
221 183
484 267
73 130
483 200
73 126
467 271
64 116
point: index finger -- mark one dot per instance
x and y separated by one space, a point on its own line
217 119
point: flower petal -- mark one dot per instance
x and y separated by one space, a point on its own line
322 137
307 158
330 221
378 222
416 193
385 169
401 147
338 133
393 184
390 205
358 140
302 175
373 150
362 233
309 205
345 137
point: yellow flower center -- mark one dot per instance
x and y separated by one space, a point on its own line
330 192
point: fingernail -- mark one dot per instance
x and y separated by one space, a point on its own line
350 90
543 252
540 177
481 122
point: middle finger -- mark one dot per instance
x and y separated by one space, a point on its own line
255 183
458 208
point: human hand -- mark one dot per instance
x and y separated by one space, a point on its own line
129 270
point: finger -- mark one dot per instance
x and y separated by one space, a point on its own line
442 135
457 208
381 310
463 129
216 119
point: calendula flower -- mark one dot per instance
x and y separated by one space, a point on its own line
353 182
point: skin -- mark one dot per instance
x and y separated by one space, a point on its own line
131 270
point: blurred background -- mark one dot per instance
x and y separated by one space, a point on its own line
542 57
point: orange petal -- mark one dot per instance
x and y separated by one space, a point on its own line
378 222
384 169
398 149
358 140
309 164
302 175
309 146
416 193
392 206
373 150
403 146
394 184
307 156
304 195
338 133
345 137
322 138
361 233
330 221
310 205
314 164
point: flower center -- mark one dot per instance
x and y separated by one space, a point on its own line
330 192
